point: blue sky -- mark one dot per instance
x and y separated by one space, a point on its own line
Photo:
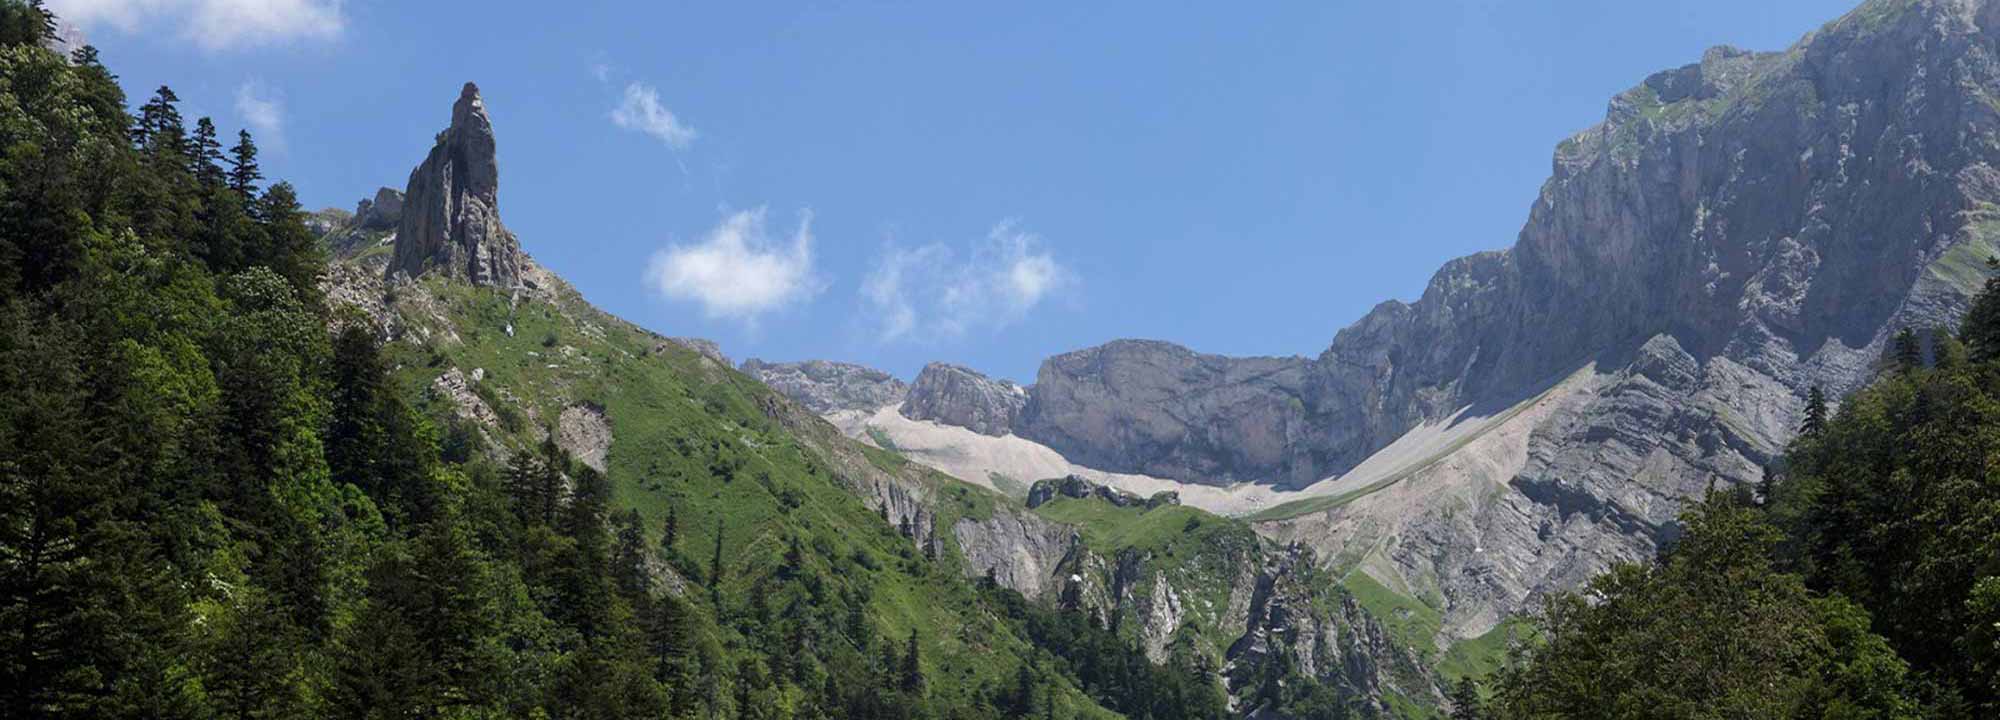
987 184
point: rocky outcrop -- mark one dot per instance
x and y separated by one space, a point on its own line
1159 409
1733 233
1782 212
1072 486
955 395
825 387
584 431
450 220
382 212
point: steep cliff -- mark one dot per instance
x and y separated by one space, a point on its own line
1732 233
450 219
961 396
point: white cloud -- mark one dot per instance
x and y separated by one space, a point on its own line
933 292
643 112
264 113
738 271
213 24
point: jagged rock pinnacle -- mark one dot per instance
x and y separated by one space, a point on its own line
451 214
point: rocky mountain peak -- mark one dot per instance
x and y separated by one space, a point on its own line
957 395
451 213
824 387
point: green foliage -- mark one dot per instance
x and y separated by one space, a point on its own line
1714 630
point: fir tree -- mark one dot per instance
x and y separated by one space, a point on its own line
1815 421
1465 701
207 156
243 171
1907 351
1980 328
912 670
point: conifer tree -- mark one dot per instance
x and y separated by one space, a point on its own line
243 171
1980 328
912 670
207 155
1815 421
1907 351
1465 702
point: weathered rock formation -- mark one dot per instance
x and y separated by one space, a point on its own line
1734 232
450 219
382 212
826 387
1075 487
960 396
1156 408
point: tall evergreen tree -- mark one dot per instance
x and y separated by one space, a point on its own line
243 170
1815 420
913 669
207 155
1907 351
1465 701
1980 328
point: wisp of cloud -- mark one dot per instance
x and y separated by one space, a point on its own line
930 292
738 271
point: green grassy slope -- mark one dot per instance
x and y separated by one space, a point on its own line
723 454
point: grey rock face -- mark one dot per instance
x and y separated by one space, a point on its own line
1784 211
955 395
1075 487
451 214
382 212
824 386
1160 409
1735 232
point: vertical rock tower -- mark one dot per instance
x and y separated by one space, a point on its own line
451 214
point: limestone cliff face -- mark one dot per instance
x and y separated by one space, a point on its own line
960 396
450 220
1783 212
1159 409
825 387
1734 232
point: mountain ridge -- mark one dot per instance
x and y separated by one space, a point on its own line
1734 232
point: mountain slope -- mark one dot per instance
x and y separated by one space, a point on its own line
685 440
1733 233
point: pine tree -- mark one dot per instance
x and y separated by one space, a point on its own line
629 557
912 670
1465 701
1908 352
1815 421
243 172
207 156
1947 353
528 482
160 130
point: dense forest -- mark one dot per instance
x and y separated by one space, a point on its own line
1861 579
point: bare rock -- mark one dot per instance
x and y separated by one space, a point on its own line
956 395
584 432
824 387
450 219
